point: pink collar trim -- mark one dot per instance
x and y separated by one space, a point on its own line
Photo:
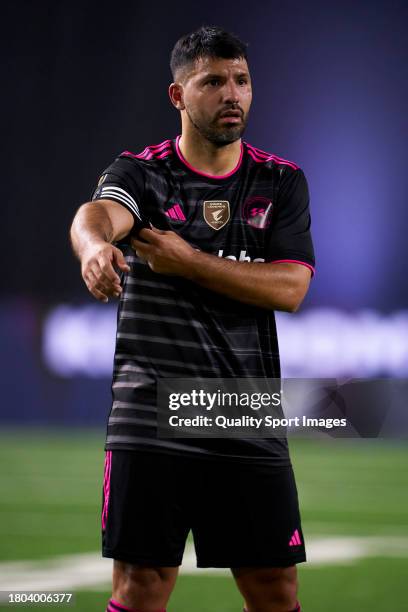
213 176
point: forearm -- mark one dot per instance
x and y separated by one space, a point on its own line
280 286
268 285
91 224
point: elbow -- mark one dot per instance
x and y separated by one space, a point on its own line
294 307
291 307
296 292
290 302
288 287
296 298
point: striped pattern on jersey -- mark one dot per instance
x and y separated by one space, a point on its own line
170 327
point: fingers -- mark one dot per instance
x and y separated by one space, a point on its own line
158 231
142 249
99 273
152 235
107 270
102 284
120 261
91 283
139 244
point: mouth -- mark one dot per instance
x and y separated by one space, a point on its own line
231 116
231 113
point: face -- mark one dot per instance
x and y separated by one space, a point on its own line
215 96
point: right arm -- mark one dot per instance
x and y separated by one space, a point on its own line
95 227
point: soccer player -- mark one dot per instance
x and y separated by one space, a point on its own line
214 235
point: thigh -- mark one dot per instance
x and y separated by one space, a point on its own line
248 517
143 518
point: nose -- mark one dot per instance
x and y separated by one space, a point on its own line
231 92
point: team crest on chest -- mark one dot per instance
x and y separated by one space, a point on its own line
216 213
257 212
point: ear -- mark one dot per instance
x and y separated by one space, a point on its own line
176 95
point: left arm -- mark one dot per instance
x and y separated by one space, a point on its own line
276 286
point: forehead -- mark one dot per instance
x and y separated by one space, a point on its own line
218 65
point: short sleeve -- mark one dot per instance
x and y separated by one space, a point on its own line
123 182
289 237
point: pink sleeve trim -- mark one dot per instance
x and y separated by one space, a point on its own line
302 263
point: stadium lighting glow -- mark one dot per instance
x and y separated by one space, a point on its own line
80 340
330 343
317 343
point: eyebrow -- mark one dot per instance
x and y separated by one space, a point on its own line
213 75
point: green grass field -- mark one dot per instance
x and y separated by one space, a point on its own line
50 506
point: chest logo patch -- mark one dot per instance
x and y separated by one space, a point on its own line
257 212
216 213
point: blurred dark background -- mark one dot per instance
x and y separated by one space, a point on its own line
84 81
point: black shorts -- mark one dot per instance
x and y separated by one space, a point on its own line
240 514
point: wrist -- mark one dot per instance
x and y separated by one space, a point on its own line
91 246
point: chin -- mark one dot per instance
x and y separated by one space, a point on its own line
226 136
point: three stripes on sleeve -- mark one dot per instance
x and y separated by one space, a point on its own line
118 194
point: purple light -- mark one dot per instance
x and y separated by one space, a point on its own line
318 343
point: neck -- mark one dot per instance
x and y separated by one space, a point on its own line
207 157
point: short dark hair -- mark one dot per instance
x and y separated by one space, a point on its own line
207 41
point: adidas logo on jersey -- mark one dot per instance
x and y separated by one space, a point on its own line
175 213
242 257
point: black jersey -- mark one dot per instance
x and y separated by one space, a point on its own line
169 327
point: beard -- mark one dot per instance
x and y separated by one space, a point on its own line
218 135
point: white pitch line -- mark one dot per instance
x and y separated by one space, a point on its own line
90 570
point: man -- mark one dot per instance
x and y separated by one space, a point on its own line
216 237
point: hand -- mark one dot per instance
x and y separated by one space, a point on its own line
98 272
164 251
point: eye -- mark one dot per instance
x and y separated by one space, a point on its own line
242 81
213 82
